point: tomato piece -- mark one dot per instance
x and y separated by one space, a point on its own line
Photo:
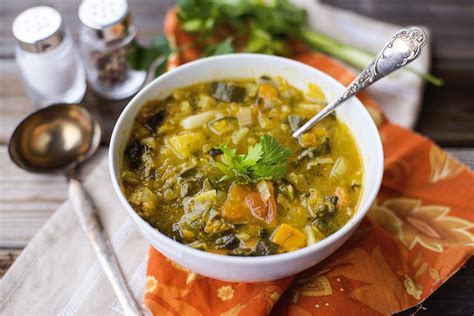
256 205
263 210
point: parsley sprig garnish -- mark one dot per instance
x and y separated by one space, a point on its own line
267 160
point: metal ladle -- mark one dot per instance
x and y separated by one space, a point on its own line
57 139
404 47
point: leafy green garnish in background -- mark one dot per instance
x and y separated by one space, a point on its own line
262 26
222 48
266 160
267 26
141 57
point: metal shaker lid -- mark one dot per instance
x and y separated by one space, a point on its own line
38 29
107 20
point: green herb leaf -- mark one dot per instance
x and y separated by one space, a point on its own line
141 57
222 48
266 160
265 27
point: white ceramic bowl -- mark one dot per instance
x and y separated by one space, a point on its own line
252 269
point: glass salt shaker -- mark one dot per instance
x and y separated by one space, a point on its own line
50 66
107 34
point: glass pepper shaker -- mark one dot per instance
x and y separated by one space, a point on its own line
107 34
50 66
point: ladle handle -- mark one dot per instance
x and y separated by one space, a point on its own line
92 225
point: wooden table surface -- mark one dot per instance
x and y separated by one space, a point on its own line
447 117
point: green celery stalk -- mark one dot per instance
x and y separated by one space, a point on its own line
355 57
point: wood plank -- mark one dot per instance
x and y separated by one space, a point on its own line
451 22
7 257
447 115
27 200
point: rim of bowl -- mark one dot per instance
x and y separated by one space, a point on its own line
277 258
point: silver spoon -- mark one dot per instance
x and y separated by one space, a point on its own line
57 139
404 47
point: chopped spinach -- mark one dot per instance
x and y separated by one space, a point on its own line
134 153
323 149
264 248
229 241
214 152
227 92
155 120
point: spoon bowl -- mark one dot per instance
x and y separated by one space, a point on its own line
56 138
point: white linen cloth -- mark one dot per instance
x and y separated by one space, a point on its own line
58 273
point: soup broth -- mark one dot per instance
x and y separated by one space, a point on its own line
214 166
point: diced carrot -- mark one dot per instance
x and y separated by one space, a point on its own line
266 91
342 197
235 207
180 39
289 238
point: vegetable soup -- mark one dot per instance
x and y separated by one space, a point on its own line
214 166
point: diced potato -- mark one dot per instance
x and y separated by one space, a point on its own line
239 135
315 93
206 102
205 196
340 167
313 235
185 144
235 208
149 141
186 108
224 125
288 237
314 137
144 197
245 117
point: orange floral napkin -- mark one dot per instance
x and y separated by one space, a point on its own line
417 234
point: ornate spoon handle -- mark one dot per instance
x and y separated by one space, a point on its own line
404 47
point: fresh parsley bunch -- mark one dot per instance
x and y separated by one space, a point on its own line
254 26
267 160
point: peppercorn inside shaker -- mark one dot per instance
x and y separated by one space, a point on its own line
107 36
50 66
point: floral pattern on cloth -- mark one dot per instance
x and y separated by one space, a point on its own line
416 235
